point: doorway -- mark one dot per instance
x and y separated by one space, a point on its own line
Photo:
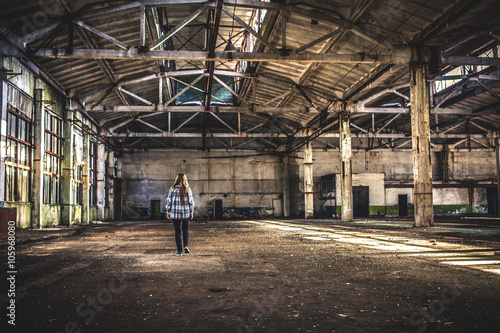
118 199
361 201
492 198
155 209
403 204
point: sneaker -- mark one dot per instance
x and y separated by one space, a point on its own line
178 254
186 249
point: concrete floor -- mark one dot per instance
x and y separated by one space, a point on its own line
377 275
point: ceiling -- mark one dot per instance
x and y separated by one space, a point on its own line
297 61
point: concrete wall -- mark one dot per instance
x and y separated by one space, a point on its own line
251 187
390 174
23 213
246 186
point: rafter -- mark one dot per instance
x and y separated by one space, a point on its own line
178 27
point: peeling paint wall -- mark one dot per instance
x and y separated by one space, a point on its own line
23 213
68 212
246 186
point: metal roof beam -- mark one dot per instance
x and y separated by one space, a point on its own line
401 56
161 108
178 27
230 90
186 88
298 135
464 61
248 28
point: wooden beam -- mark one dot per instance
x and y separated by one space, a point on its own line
363 82
317 41
102 34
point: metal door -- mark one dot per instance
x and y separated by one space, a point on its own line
361 201
403 204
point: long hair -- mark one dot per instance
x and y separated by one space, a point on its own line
182 181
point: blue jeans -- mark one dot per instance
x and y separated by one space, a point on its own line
184 231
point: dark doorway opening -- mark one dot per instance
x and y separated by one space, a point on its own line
403 204
218 211
155 209
492 198
117 189
361 201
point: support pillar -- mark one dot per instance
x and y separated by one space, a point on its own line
308 178
346 167
110 184
286 186
101 151
3 127
420 126
86 180
67 188
38 165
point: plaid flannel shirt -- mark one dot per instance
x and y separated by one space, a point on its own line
175 208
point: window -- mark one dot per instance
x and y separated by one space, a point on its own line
93 173
106 185
78 184
52 159
115 167
18 157
78 163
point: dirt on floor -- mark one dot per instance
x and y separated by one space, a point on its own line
249 277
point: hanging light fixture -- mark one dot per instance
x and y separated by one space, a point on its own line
230 46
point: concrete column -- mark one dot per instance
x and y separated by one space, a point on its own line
497 145
286 186
345 167
308 179
110 185
86 181
38 155
420 126
101 151
67 189
3 127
